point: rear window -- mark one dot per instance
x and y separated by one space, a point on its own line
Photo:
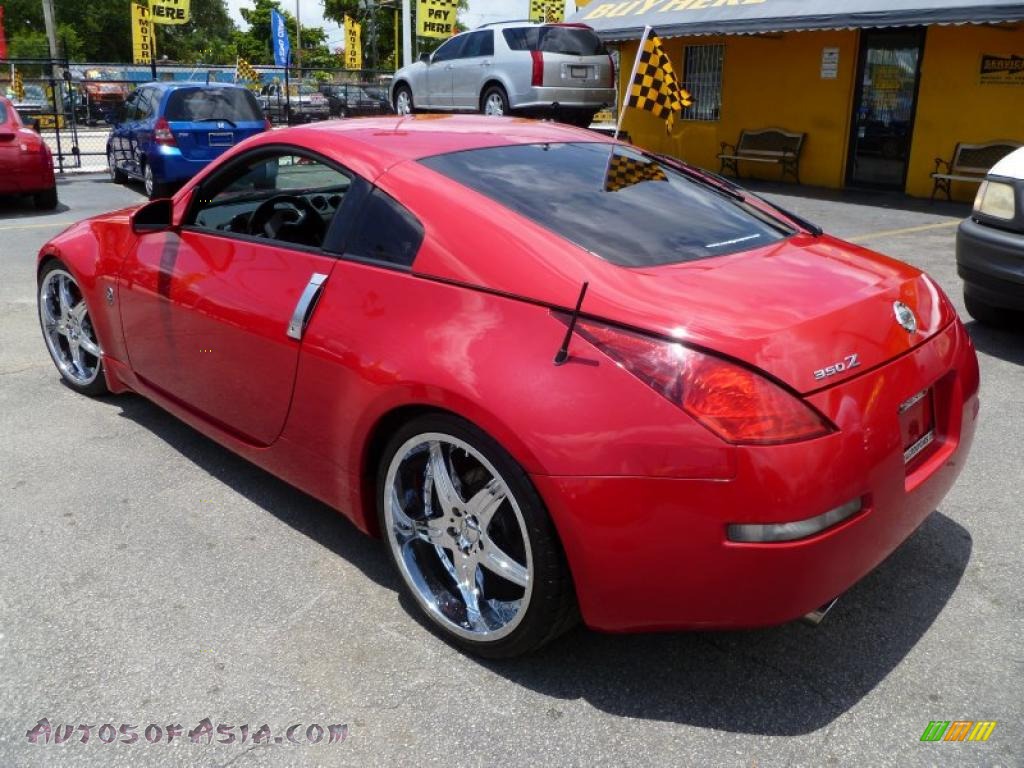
572 41
198 104
627 208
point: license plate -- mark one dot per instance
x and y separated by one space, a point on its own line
579 72
225 139
917 424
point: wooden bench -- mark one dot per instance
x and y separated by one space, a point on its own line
765 145
970 163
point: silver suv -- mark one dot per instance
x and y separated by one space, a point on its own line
554 69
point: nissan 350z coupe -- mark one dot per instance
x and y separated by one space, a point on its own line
561 378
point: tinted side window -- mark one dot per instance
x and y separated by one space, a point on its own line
450 50
387 232
478 44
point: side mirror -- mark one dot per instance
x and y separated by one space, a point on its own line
155 216
425 58
115 115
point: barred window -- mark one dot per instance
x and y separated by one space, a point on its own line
702 77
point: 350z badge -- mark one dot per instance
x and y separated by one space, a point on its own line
848 362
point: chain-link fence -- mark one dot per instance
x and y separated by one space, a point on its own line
74 105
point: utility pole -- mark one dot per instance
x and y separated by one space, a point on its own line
298 39
406 32
51 27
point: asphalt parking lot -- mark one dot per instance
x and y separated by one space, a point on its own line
148 576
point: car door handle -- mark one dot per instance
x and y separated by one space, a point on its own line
305 306
485 63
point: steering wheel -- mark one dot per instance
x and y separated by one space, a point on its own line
288 217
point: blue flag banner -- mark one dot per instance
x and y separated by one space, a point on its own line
279 39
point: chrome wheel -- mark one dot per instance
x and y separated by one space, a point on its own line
494 104
68 331
148 181
112 166
458 536
403 102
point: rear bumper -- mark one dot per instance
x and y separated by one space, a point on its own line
28 177
991 263
652 553
568 98
169 165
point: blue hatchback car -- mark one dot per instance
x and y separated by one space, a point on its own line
167 132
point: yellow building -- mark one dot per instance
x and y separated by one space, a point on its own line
880 88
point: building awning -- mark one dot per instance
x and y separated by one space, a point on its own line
619 20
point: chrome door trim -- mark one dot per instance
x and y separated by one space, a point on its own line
304 307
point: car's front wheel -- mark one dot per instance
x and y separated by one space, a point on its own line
471 539
495 101
403 100
116 174
68 331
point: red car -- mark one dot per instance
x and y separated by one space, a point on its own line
26 164
558 376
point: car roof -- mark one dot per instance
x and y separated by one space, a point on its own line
168 85
386 141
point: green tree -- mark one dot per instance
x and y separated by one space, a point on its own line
254 43
378 20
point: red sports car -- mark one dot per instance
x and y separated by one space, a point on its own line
559 376
26 164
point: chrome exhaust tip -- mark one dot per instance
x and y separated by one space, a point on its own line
815 617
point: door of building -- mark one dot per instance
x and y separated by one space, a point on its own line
888 72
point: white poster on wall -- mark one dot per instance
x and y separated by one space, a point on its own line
829 63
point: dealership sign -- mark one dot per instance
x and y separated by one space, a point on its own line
436 18
353 44
143 40
279 39
1002 70
169 11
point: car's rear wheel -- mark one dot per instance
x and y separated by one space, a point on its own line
403 100
495 101
116 174
154 189
471 539
68 330
46 200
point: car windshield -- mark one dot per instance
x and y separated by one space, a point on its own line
627 207
572 41
197 104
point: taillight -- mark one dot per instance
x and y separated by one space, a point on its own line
611 70
162 133
737 404
537 78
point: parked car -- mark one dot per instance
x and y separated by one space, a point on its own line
990 245
355 100
491 342
562 70
26 163
165 133
32 104
101 93
306 103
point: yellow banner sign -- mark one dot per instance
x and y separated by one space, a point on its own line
143 40
353 44
547 11
436 18
169 11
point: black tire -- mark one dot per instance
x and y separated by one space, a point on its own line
498 93
45 200
98 386
154 189
986 314
116 174
551 609
405 90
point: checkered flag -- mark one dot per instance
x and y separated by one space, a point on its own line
626 171
655 87
547 11
18 86
245 71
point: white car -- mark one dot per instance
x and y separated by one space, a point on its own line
562 70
